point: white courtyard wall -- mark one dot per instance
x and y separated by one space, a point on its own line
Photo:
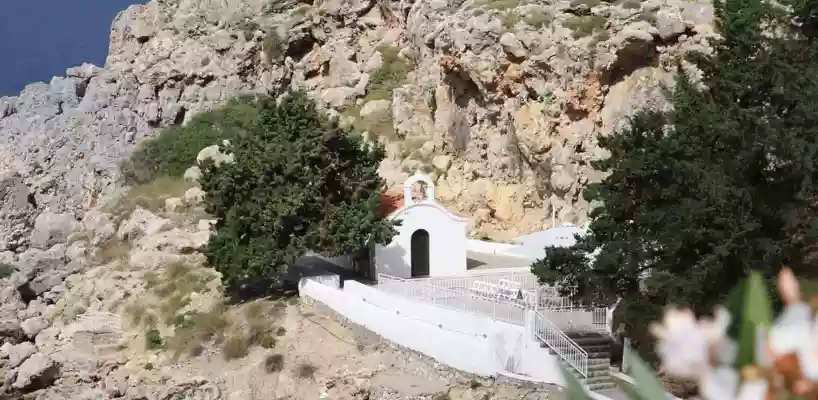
467 342
447 242
500 249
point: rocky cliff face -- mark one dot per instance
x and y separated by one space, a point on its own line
501 100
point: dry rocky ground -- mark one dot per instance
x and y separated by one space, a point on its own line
142 318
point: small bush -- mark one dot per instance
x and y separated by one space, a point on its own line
185 321
135 313
538 19
255 311
111 250
631 4
151 279
258 332
306 370
153 340
585 25
589 3
268 341
511 19
150 196
379 124
210 325
149 320
442 396
281 331
499 4
391 74
175 149
179 283
6 270
273 47
273 363
194 329
236 346
172 306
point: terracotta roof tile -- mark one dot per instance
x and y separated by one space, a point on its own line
391 202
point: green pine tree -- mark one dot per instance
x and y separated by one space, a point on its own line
696 197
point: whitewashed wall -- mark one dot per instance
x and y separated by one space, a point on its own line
500 249
447 242
467 342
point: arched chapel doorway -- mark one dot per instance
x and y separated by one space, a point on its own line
420 253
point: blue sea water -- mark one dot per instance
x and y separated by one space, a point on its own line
39 39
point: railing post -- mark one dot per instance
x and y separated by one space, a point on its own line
530 325
537 298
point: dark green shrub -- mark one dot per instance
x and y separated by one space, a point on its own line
175 149
391 74
153 339
6 270
273 363
299 182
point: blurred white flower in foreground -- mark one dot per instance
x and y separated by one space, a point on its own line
687 346
786 352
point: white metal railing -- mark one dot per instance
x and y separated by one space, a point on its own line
568 314
467 301
463 283
499 296
506 301
561 344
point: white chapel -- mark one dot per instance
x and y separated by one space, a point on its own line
431 241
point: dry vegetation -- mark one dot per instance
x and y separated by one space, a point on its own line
111 250
585 25
511 19
189 332
499 4
150 196
273 363
538 19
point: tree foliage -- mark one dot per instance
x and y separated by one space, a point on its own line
176 147
299 183
696 197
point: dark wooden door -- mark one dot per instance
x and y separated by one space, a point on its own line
420 253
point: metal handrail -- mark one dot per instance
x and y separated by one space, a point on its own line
556 339
544 329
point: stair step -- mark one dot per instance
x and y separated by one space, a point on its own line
592 370
591 374
598 379
588 342
592 360
599 355
596 348
602 386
